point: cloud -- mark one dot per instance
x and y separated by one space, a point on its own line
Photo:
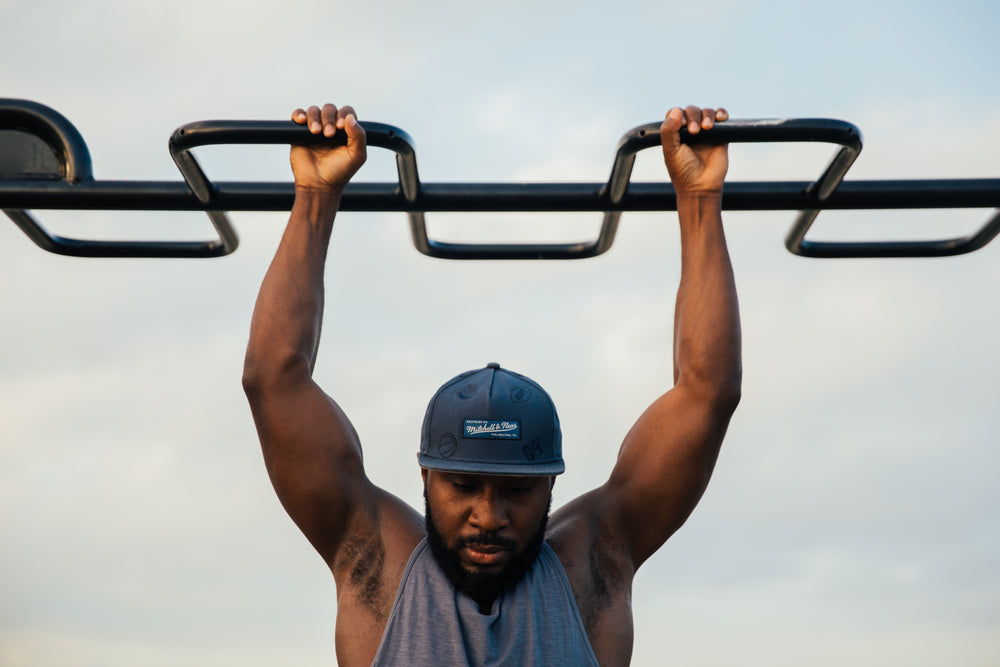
850 508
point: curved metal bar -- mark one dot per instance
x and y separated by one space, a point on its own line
76 171
71 247
205 133
793 130
738 131
218 132
55 130
936 248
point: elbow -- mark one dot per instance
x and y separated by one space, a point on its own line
728 390
720 394
254 376
727 397
262 372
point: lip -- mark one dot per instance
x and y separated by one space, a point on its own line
484 555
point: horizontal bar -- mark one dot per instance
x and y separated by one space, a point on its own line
497 197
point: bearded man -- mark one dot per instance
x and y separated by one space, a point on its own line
487 577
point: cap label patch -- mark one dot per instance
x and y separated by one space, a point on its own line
492 428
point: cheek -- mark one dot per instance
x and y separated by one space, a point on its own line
446 516
530 515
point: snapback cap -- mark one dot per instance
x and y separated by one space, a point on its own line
492 421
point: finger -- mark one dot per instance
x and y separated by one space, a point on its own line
299 116
707 118
693 116
328 117
721 114
313 119
342 115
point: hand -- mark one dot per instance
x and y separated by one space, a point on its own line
699 169
326 167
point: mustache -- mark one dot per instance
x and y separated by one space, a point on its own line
485 540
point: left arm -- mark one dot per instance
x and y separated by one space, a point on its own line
668 456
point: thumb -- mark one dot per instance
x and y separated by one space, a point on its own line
670 131
357 138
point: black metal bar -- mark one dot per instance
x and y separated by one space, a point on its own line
499 197
206 133
226 132
61 245
936 248
65 181
55 130
72 167
746 131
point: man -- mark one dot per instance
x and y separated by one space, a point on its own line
487 577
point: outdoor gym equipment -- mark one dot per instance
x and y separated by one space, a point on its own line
45 164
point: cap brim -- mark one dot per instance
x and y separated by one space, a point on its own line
479 468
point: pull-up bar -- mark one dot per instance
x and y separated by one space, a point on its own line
45 164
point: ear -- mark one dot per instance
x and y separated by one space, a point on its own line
552 482
423 474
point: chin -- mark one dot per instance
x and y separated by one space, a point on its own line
483 581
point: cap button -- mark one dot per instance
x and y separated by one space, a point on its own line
494 365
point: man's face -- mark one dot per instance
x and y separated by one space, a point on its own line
485 530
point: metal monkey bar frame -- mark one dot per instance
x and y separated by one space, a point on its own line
45 164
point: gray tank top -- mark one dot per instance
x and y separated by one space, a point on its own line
537 623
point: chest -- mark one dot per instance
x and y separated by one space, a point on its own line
535 623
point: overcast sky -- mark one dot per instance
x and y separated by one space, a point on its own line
852 516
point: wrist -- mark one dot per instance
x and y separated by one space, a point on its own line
698 197
322 194
697 207
316 205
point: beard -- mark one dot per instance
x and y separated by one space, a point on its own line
483 587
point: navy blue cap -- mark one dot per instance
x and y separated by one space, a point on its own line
492 421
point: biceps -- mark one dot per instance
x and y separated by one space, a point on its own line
313 458
663 468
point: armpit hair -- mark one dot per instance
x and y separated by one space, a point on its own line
608 579
365 558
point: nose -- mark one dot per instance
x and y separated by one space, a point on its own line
489 512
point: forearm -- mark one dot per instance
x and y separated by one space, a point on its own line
287 319
707 354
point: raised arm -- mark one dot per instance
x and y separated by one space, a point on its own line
667 458
310 449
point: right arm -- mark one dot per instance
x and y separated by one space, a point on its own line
311 450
